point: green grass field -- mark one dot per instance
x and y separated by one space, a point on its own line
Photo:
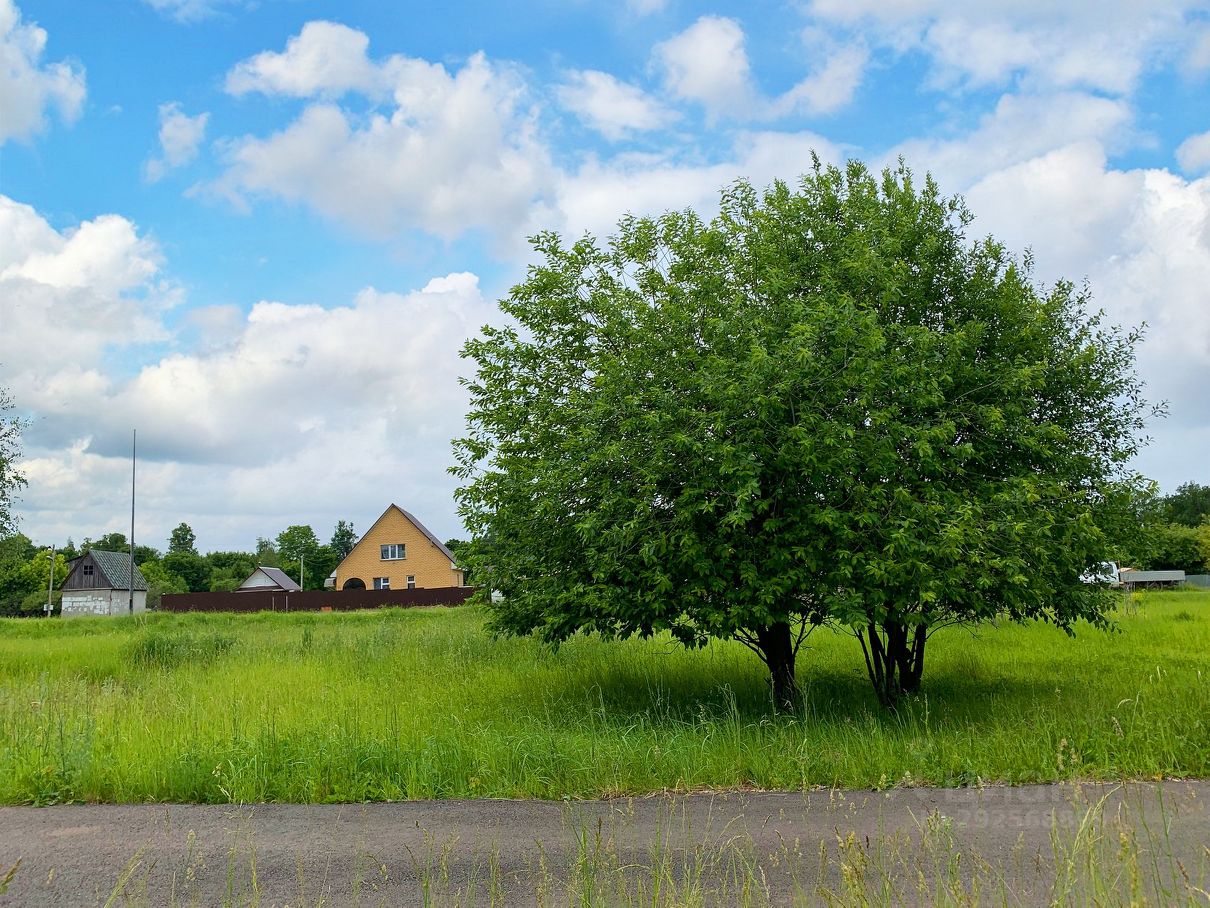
423 704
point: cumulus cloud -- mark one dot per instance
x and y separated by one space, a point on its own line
708 63
594 196
86 290
451 152
1142 238
829 88
28 88
1018 128
235 431
324 58
1103 46
611 107
180 136
1193 154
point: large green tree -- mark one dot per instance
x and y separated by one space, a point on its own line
302 555
190 567
182 540
229 569
826 404
1189 505
266 552
343 539
10 451
16 582
296 542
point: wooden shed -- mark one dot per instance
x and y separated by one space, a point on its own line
98 583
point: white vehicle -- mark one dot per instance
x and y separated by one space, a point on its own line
1105 572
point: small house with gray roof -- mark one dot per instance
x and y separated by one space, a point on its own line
98 583
268 578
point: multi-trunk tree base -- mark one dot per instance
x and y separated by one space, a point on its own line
894 658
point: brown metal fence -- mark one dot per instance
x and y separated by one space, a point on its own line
312 600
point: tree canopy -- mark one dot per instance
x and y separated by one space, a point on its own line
343 539
182 541
827 404
11 478
1189 505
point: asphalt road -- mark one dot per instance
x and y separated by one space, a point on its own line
1022 845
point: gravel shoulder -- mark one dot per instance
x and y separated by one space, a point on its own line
1020 844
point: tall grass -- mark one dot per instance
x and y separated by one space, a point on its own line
423 704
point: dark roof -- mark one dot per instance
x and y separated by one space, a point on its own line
422 528
116 568
278 576
416 523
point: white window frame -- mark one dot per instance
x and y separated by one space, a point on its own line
411 581
393 551
382 583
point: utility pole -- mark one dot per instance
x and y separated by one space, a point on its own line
302 561
50 586
134 438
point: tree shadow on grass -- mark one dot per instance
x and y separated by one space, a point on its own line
688 687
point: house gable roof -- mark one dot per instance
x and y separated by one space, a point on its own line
414 522
276 575
425 530
114 568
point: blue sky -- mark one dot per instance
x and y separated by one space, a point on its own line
260 231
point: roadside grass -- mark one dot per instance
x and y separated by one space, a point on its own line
1102 849
421 703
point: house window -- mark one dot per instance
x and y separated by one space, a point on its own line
395 552
382 583
411 581
87 570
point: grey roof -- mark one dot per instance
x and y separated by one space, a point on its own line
433 539
116 568
280 577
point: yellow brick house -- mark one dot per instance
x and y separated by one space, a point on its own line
398 553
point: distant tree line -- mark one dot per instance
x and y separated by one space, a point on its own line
1176 532
25 565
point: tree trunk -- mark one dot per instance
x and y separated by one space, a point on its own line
894 658
777 648
912 668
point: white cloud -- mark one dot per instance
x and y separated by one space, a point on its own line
707 63
1104 46
71 299
646 7
1141 237
612 107
1019 128
1193 154
27 88
598 193
831 87
180 136
188 12
1199 52
325 58
233 432
454 152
